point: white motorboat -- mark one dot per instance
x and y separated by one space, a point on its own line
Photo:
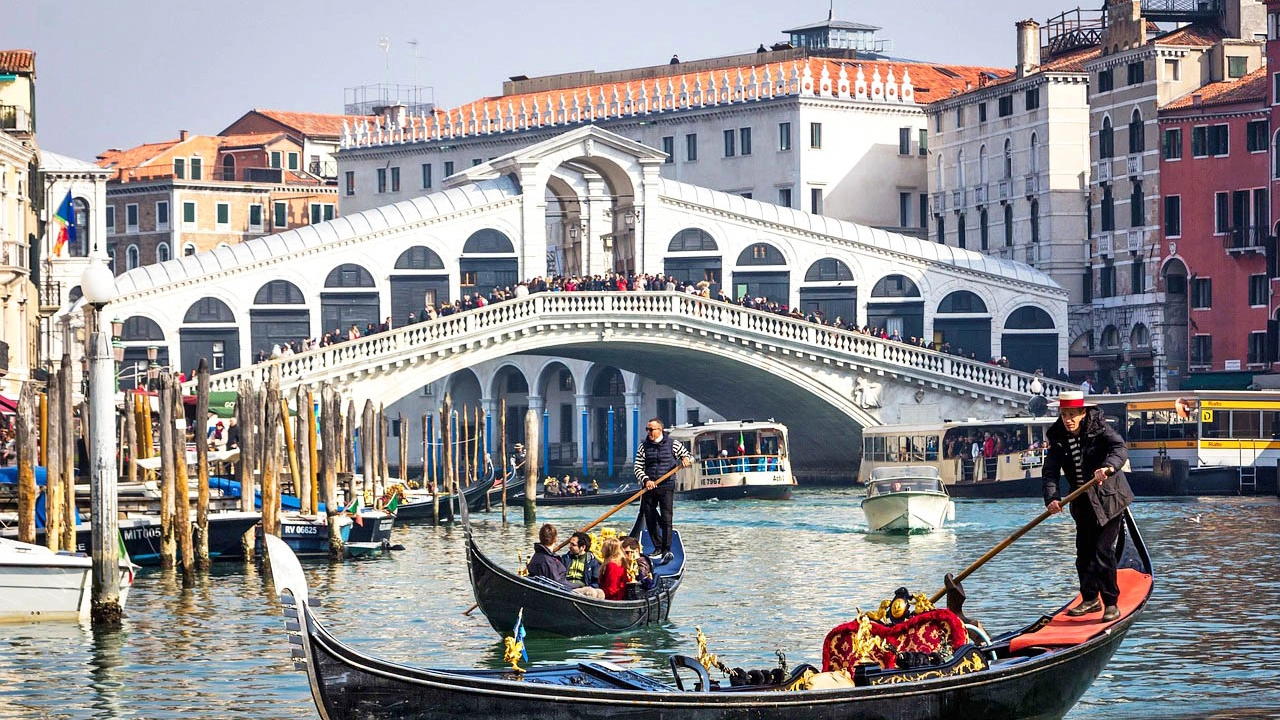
39 584
906 499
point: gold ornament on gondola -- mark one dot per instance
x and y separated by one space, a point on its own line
511 653
706 659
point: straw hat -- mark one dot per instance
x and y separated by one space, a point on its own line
1073 399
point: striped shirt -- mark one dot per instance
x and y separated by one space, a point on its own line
1077 455
637 467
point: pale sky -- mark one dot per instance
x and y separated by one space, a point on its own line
124 72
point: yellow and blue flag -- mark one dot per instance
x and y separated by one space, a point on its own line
518 633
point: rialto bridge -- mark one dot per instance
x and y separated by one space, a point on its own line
585 203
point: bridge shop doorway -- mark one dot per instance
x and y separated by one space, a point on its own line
420 279
279 316
963 322
897 306
209 331
349 299
1029 341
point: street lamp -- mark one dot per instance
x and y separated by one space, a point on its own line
98 286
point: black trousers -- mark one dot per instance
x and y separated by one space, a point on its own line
655 511
1096 554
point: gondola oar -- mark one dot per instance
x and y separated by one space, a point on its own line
950 580
601 519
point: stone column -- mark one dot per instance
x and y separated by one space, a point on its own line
533 217
490 407
582 403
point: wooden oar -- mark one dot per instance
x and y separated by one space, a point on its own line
600 519
1010 540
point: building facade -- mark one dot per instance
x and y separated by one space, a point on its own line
19 221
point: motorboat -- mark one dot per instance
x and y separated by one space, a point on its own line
39 584
735 459
907 499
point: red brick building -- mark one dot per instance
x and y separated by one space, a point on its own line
1215 217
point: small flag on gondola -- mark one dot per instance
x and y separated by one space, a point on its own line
518 633
354 511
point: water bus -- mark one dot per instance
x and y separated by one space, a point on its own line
735 459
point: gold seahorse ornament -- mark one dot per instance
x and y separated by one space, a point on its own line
512 650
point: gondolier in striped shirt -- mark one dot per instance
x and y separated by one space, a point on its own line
1083 447
657 455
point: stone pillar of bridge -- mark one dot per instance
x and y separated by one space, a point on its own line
533 219
634 418
582 404
596 223
650 249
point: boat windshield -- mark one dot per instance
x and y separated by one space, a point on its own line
916 484
909 471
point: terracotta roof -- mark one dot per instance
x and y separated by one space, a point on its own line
1195 35
311 124
1250 88
1071 61
248 139
17 61
134 156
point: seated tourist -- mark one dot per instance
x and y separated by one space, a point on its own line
613 578
544 563
582 569
639 566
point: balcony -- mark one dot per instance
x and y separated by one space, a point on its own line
957 200
13 255
1006 189
264 175
1034 255
50 296
15 118
1136 240
326 170
939 203
1104 171
1033 184
1133 165
1105 245
979 195
1245 239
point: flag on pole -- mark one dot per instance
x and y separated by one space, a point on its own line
518 633
65 219
354 510
742 444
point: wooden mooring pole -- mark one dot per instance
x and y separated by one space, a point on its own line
200 536
182 487
28 456
168 546
247 420
330 419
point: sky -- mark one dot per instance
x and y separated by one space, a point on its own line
120 73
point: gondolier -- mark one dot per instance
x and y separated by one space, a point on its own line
1083 447
658 454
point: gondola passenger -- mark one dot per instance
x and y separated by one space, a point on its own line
639 568
582 569
544 563
613 578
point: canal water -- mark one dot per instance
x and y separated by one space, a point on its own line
762 577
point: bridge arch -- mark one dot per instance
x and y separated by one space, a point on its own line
963 319
209 330
896 303
350 298
464 389
499 383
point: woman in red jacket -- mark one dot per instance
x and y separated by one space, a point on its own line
613 578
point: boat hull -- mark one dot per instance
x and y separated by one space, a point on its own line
771 491
36 584
419 506
1023 487
906 511
142 536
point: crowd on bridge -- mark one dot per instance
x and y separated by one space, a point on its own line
608 282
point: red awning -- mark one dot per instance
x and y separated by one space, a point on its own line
8 405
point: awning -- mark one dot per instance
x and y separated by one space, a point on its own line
1226 380
9 406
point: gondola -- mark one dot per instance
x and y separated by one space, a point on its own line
418 504
1039 671
612 497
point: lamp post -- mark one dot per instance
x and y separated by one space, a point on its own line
99 287
153 370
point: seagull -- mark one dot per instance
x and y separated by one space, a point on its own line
1195 519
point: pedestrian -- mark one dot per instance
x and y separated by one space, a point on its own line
1082 447
658 454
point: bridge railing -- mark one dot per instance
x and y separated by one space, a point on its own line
347 357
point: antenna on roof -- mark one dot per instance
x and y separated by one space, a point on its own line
416 57
831 10
384 44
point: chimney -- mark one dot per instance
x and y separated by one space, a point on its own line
1197 99
1028 46
182 136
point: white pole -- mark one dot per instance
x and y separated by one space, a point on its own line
102 429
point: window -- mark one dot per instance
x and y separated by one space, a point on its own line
476 161
1137 139
924 142
937 122
131 257
395 179
983 236
219 355
1106 140
1088 285
1221 213
1035 221
1237 66
904 141
815 201
448 168
180 168
224 215
1137 213
669 148
691 147
426 176
1106 83
923 213
1201 293
1006 106
815 135
960 224
982 112
1257 349
904 209
1137 284
275 158
1257 290
1201 350
188 249
730 143
1008 159
1172 216
330 210
162 215
784 136
255 217
1107 280
280 215
314 210
1218 140
960 117
1137 73
1108 210
1200 141
1172 70
188 214
1256 133
1275 159
784 197
942 229
131 218
351 182
744 141
382 180
162 252
197 168
1008 225
1171 144
1033 99
293 161
111 219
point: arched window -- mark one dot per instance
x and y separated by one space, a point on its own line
228 168
942 175
1137 139
1275 157
1035 221
1029 317
761 254
960 239
961 301
1140 337
1137 213
895 286
348 275
188 249
1033 159
1110 337
131 257
692 240
1106 144
828 270
419 257
209 310
983 235
80 247
1008 159
960 170
488 240
279 292
982 165
1008 225
162 252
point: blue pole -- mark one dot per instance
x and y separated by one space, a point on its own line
453 441
488 433
546 442
635 426
430 460
585 444
610 426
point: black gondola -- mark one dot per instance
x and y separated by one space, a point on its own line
611 497
1027 673
418 505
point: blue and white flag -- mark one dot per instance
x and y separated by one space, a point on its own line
518 633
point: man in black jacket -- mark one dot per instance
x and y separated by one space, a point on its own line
544 562
1082 447
658 454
